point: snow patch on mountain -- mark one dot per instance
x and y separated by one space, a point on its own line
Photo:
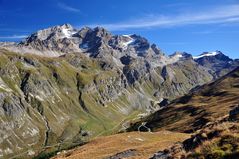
128 42
207 54
175 57
67 33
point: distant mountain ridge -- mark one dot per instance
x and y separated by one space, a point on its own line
62 39
100 43
217 62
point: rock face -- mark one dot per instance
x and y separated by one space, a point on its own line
124 154
87 81
176 151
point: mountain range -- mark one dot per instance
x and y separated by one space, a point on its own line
62 86
200 125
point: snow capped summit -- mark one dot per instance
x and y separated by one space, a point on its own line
181 55
98 42
214 53
215 60
67 33
177 55
59 31
129 40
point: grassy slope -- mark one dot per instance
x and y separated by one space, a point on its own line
196 113
191 112
218 141
143 142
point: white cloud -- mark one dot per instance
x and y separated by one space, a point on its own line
13 37
67 8
218 15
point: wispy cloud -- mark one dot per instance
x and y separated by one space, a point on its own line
215 31
20 31
67 7
218 15
13 37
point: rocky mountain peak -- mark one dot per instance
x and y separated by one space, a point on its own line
182 55
215 60
83 31
101 32
177 55
156 49
59 31
100 43
67 26
208 54
215 55
97 42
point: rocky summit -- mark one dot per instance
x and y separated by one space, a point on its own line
61 86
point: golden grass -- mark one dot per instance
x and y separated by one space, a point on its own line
145 144
222 145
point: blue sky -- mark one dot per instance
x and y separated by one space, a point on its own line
193 26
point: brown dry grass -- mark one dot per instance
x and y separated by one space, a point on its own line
225 144
145 144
